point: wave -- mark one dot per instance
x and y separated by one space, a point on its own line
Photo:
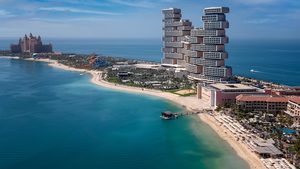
254 71
274 70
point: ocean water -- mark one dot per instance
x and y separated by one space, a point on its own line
55 119
271 60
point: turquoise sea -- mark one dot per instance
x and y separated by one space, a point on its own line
271 60
55 119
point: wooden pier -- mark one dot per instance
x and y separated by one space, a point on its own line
167 115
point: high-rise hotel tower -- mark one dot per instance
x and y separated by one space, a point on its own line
175 29
203 50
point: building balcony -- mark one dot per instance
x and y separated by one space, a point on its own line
216 10
202 32
172 15
215 55
171 11
171 39
181 28
195 40
177 23
213 17
173 55
171 20
194 68
169 50
215 40
216 25
207 48
173 44
194 54
205 62
217 71
201 77
177 33
181 62
168 61
169 28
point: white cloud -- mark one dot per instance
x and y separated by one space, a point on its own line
5 14
139 4
64 20
261 21
83 2
75 10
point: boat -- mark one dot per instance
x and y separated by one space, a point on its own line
254 71
168 115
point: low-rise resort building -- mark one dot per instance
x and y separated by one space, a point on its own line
292 91
293 108
219 94
262 102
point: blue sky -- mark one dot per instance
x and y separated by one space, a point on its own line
258 19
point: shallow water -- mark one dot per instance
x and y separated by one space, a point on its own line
51 118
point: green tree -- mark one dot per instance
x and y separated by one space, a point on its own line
297 146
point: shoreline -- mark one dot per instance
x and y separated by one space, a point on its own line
189 103
240 149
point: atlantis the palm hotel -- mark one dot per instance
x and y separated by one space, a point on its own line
201 52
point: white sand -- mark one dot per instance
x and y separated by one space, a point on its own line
241 149
9 57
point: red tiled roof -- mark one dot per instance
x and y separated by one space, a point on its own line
261 98
295 99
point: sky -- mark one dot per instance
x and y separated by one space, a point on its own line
249 19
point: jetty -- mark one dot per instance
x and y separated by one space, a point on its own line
168 115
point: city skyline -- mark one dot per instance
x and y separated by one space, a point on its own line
256 19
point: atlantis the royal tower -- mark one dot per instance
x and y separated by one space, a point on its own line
200 50
175 30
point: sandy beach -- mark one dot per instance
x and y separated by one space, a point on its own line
241 149
9 57
190 103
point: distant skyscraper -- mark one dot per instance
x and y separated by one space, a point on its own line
203 49
31 44
174 31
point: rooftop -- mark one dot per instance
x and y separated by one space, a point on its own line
215 7
172 9
261 98
216 10
266 147
295 99
172 66
235 86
